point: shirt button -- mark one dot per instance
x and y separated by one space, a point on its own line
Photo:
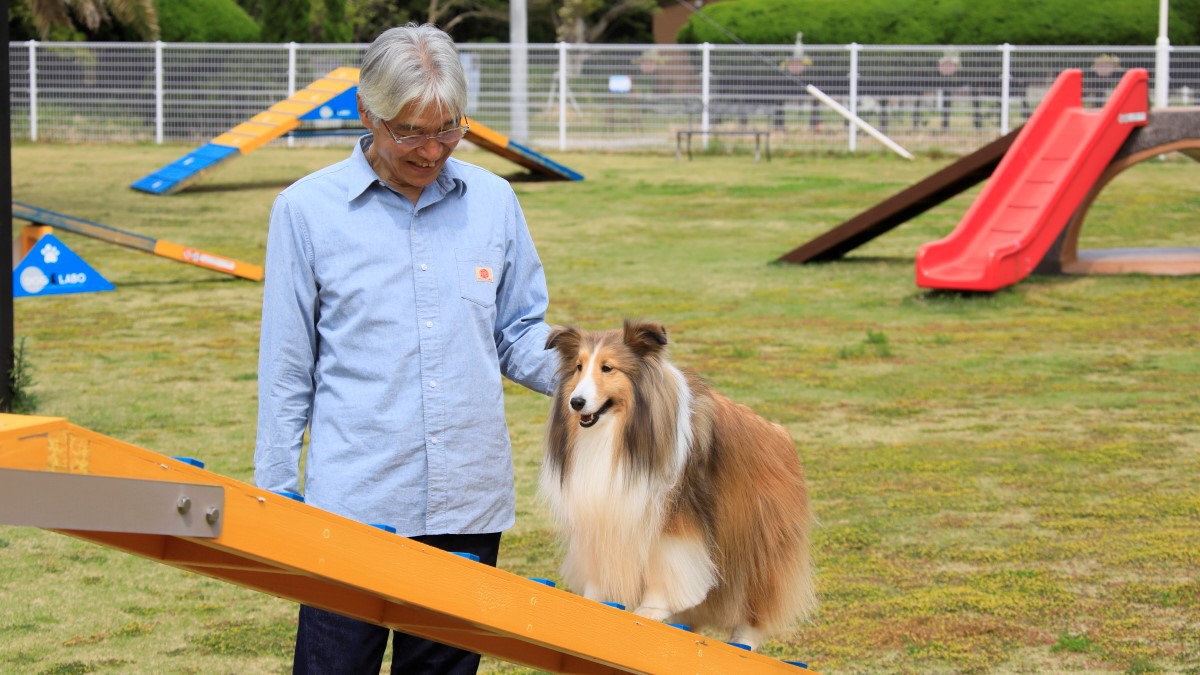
429 324
433 384
433 440
424 267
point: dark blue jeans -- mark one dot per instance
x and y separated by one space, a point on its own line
331 644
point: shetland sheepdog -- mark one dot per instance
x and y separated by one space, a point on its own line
670 498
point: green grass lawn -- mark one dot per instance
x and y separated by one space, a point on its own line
1004 483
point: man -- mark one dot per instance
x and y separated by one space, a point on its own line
400 285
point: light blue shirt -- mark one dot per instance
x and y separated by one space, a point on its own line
385 331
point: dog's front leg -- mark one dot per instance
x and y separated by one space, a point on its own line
591 591
679 575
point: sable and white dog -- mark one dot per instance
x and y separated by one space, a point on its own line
669 497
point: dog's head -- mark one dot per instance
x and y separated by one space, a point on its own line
598 370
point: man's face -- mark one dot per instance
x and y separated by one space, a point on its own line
416 160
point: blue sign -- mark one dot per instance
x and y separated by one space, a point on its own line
50 268
344 106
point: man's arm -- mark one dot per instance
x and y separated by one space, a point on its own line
287 351
521 302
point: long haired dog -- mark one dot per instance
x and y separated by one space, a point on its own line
669 497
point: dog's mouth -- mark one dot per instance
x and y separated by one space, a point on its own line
586 421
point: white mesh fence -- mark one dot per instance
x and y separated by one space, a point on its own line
925 98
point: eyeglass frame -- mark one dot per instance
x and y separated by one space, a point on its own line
422 139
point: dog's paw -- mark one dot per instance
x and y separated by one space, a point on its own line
654 613
747 635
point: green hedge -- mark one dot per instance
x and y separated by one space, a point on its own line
930 22
205 21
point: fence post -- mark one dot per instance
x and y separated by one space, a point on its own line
159 122
33 111
562 96
1005 85
1162 59
291 87
853 137
705 82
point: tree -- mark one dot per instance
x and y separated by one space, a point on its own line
301 20
286 20
589 21
206 21
139 16
448 14
329 22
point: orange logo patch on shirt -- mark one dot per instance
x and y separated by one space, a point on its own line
484 274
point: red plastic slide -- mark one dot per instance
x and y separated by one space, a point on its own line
1055 159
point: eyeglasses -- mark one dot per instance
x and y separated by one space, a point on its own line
447 137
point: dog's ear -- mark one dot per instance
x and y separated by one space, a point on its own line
645 337
565 339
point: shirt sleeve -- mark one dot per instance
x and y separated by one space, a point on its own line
287 350
521 302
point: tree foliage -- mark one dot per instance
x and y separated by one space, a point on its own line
487 20
464 20
77 19
206 21
329 22
964 22
286 20
590 21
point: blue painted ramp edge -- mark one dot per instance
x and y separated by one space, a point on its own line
175 175
544 161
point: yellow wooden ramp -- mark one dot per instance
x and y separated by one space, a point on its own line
60 476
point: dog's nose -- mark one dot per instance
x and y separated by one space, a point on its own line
577 403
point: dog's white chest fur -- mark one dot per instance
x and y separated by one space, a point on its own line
603 494
612 515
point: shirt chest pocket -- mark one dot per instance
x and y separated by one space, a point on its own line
478 274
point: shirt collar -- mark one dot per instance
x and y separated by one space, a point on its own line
362 176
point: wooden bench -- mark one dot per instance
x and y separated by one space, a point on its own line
762 140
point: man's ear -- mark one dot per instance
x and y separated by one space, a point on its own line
363 115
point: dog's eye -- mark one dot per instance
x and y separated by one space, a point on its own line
578 367
606 368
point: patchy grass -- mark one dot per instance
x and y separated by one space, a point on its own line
1004 482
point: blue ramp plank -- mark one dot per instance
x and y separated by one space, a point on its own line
178 174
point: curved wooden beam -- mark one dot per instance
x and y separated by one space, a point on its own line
1169 130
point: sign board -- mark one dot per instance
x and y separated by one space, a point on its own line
50 268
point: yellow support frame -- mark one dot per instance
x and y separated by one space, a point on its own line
283 547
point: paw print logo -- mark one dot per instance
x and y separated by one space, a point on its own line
50 254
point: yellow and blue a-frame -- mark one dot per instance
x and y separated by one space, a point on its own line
331 98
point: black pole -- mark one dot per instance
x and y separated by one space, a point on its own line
6 289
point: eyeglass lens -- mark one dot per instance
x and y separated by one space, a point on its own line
445 137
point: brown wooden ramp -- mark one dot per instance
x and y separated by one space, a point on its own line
908 203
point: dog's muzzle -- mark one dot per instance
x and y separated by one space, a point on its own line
585 420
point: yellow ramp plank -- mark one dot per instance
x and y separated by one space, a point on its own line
212 261
347 73
327 84
277 545
254 129
291 107
273 118
314 98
